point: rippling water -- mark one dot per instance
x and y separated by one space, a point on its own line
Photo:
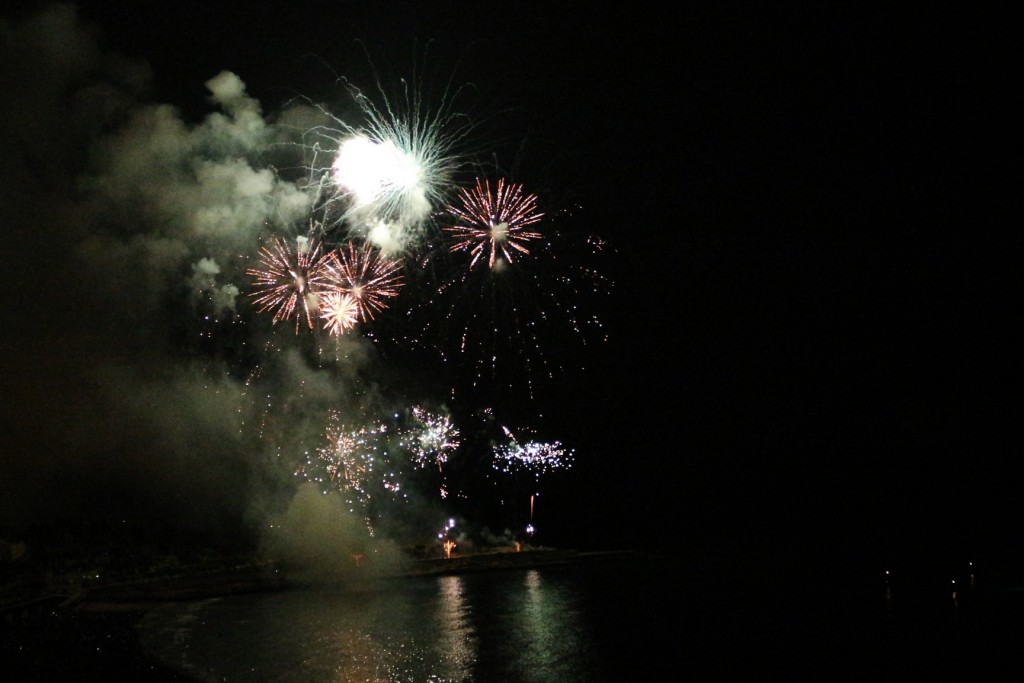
582 623
600 621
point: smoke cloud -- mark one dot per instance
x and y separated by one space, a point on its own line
322 541
127 231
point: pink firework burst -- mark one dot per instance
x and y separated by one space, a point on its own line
339 311
289 280
494 222
365 276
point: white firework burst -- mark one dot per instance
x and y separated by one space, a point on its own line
394 169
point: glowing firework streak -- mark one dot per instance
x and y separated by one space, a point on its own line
289 280
533 456
339 312
365 276
494 223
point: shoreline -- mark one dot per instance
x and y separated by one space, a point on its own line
269 576
525 559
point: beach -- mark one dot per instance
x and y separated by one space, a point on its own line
49 640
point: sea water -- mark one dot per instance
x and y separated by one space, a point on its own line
639 619
589 622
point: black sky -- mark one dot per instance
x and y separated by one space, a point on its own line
810 336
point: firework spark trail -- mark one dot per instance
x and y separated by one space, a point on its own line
494 223
533 456
260 402
289 281
365 275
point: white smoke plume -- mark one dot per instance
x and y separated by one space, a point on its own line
320 540
127 229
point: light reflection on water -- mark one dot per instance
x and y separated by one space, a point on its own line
592 623
526 626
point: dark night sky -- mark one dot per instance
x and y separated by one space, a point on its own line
810 333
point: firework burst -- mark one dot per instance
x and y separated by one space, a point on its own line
494 222
533 456
289 281
517 323
393 169
432 438
351 462
380 175
339 311
365 276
